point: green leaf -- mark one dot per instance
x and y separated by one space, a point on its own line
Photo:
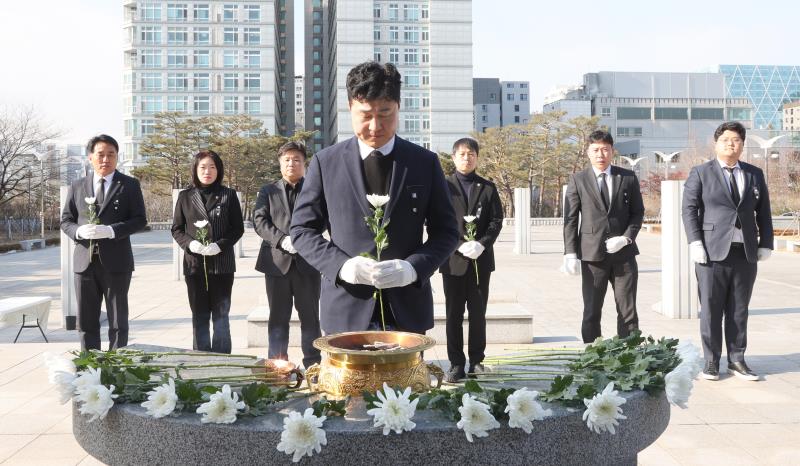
472 386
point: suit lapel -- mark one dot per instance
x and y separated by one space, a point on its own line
399 170
116 184
719 174
212 202
748 182
284 198
197 203
88 187
477 187
459 193
616 184
352 160
591 185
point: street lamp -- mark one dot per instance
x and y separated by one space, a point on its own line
667 159
766 144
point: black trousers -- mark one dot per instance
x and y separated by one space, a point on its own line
304 290
725 289
92 286
595 277
213 304
458 291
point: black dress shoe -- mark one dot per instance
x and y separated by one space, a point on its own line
740 369
711 371
455 374
475 370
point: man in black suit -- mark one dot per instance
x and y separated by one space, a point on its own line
465 276
728 222
103 259
334 198
608 201
288 276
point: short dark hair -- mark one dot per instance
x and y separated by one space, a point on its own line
101 138
470 144
293 145
217 162
600 135
373 81
734 126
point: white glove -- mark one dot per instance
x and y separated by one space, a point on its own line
86 231
394 273
615 244
764 254
286 245
211 250
196 247
358 270
697 253
572 265
471 249
103 232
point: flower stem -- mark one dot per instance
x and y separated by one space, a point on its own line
477 280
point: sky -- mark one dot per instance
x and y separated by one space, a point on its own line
64 57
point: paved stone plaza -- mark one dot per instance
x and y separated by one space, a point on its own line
728 422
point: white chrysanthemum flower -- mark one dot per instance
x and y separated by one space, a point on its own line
469 218
603 411
221 408
302 434
89 377
89 200
65 384
691 357
376 200
201 223
523 408
394 411
475 418
161 400
96 400
678 385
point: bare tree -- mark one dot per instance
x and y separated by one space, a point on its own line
21 132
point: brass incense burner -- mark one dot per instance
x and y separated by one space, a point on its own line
347 368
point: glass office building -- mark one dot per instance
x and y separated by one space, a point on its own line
767 88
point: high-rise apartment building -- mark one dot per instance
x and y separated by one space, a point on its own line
206 57
500 103
299 103
429 41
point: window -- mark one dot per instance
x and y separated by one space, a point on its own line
202 36
151 104
410 12
606 111
426 37
177 103
426 56
484 108
202 82
492 96
177 58
426 101
201 13
230 13
394 55
229 58
633 113
376 11
516 118
376 54
316 41
708 114
151 34
252 13
230 81
317 108
202 105
177 12
202 59
394 12
523 97
151 58
523 85
425 11
516 107
252 36
252 58
148 127
394 34
177 36
484 118
151 11
426 75
426 122
669 113
230 36
510 97
151 81
230 105
412 123
252 81
624 132
177 82
411 34
509 85
252 105
376 34
411 56
739 114
411 101
411 79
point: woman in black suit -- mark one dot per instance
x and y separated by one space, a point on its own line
208 265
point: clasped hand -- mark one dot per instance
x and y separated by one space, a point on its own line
92 231
210 250
392 273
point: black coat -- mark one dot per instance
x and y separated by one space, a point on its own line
225 228
484 203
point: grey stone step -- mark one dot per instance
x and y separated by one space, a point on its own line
506 322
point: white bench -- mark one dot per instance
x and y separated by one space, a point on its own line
14 311
28 244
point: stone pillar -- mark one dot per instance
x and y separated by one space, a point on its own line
522 220
69 303
679 298
177 252
239 248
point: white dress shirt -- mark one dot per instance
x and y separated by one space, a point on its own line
739 175
107 187
609 183
365 150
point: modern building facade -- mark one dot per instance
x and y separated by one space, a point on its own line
500 103
569 99
299 103
516 105
203 58
766 87
791 116
429 41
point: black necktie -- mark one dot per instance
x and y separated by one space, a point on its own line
604 194
100 195
377 172
734 193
